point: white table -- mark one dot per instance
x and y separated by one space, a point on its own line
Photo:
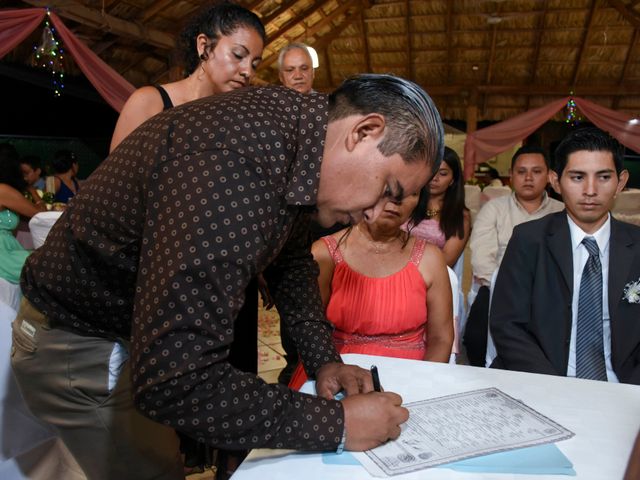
605 418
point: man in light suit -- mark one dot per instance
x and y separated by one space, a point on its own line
537 316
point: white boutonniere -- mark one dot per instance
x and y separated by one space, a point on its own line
632 292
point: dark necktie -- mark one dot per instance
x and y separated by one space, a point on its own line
589 346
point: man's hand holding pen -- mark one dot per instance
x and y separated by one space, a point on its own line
370 419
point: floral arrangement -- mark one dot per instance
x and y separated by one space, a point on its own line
632 292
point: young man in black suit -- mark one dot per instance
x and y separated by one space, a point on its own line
563 304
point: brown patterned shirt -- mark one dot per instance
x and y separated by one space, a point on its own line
161 242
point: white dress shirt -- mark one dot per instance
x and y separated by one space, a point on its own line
580 257
493 227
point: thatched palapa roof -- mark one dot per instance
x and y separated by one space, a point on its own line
479 59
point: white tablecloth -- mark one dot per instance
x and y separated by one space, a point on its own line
605 418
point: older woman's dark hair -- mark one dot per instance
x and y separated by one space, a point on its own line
452 213
591 139
216 20
10 172
62 161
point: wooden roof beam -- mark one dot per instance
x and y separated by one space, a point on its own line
306 36
155 8
350 17
628 13
449 37
583 43
492 56
537 90
625 67
108 23
253 4
365 43
409 47
294 21
327 65
278 11
537 46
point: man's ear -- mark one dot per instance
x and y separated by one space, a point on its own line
555 181
370 127
623 178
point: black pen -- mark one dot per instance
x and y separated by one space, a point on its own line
376 379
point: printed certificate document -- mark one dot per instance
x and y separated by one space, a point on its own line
451 428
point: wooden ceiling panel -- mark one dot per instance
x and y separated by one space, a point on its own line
518 54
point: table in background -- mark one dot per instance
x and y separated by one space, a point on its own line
605 418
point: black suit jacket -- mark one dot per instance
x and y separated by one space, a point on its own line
531 307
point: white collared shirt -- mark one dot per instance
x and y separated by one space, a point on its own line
580 257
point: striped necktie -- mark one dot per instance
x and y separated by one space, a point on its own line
589 345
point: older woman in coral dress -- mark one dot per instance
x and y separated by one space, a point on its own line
386 292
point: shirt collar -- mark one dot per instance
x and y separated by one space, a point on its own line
303 177
545 201
601 236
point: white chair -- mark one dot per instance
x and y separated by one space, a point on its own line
472 195
455 349
490 193
40 224
627 206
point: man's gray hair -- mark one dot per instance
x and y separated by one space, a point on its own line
292 46
413 126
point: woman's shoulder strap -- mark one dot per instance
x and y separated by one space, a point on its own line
166 99
418 251
332 246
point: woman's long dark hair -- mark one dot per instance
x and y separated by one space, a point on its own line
452 213
10 172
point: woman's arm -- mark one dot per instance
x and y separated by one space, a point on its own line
454 246
439 305
14 200
323 258
143 104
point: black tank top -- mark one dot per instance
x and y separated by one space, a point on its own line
166 100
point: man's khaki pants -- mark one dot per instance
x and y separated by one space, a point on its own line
63 378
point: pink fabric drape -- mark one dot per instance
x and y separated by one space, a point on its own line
16 25
109 83
486 143
618 124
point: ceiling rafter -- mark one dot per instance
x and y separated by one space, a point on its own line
536 48
278 11
310 32
632 88
294 21
492 56
409 47
449 37
629 14
155 8
625 67
583 43
365 42
253 5
327 65
108 23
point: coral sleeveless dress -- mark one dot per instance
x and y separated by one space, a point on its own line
384 316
